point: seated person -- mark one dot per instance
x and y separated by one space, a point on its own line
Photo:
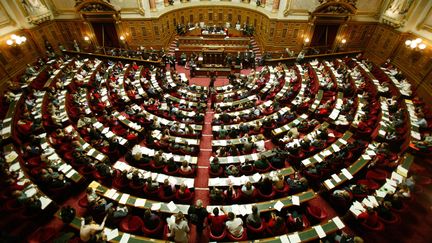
167 188
248 189
254 219
217 222
216 195
151 220
185 167
276 225
234 225
183 192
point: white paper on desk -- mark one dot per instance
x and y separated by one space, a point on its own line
367 203
256 177
382 132
336 178
30 192
396 177
320 231
172 180
373 200
242 159
338 222
326 152
235 209
402 171
381 193
295 200
306 162
294 238
347 174
105 130
140 202
370 152
189 183
278 205
318 158
125 238
171 206
391 182
124 198
11 156
329 184
45 201
110 193
156 206
335 148
254 156
111 234
366 157
284 239
70 174
100 157
91 151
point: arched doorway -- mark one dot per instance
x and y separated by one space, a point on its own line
103 19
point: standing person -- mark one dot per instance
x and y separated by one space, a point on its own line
212 80
198 214
179 228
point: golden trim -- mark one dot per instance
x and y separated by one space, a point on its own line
422 24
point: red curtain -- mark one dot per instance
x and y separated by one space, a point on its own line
324 35
106 34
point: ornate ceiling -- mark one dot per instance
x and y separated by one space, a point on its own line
408 15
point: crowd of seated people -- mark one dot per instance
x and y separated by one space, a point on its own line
118 81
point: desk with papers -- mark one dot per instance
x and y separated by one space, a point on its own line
276 204
159 177
136 202
239 181
347 174
167 156
334 148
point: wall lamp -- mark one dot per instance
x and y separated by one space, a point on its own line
16 40
415 44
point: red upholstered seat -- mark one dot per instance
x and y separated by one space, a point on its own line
220 237
131 224
316 212
372 185
83 202
241 238
282 191
377 174
153 232
395 218
264 196
379 226
41 235
252 231
216 174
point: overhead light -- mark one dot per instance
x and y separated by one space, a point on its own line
418 40
422 46
306 40
413 44
408 42
86 38
122 37
9 42
343 41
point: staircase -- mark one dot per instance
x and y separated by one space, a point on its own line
173 46
255 48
